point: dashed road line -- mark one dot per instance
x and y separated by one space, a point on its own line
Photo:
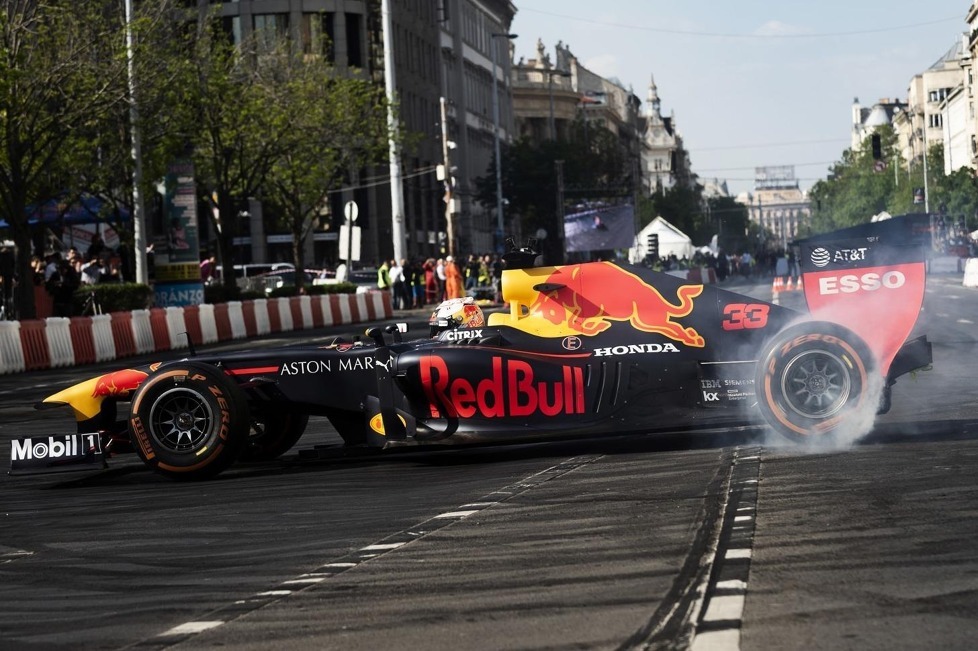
310 580
725 596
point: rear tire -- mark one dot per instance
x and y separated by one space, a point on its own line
272 434
189 421
812 379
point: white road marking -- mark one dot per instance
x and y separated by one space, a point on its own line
310 578
738 553
382 546
732 584
727 639
725 608
743 518
190 628
456 514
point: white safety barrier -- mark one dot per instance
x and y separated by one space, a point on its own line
346 315
305 308
262 325
102 334
378 298
327 311
142 332
362 304
208 324
971 273
284 308
176 326
11 351
236 316
57 332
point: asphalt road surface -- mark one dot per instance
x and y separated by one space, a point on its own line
715 540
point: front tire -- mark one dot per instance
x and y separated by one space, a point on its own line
189 421
812 379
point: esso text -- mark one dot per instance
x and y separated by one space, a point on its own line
867 282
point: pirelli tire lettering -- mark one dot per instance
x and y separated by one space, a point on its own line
189 422
812 379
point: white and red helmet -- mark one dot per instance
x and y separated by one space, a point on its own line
456 314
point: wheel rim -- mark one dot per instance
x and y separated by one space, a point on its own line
816 384
181 420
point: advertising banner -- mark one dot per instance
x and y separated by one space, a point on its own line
177 250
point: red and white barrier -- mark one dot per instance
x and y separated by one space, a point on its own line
11 351
58 333
142 332
59 341
102 334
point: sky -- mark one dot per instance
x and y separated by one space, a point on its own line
752 83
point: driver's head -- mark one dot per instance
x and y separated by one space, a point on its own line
456 314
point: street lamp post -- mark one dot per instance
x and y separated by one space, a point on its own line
926 189
550 90
495 132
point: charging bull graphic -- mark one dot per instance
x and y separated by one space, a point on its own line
578 303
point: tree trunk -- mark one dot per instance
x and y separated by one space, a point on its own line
24 291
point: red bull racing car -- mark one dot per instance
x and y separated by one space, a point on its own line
579 350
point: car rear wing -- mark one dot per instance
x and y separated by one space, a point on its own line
869 279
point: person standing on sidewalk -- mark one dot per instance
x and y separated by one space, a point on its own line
399 296
384 277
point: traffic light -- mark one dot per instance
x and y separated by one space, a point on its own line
877 147
653 245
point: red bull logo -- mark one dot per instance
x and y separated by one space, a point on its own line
513 389
585 299
118 382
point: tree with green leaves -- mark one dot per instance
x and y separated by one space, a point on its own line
244 125
60 74
859 187
594 164
163 78
340 125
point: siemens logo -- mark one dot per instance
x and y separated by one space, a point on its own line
867 282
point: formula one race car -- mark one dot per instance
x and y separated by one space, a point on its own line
580 350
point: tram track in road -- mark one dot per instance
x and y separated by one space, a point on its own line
703 611
337 566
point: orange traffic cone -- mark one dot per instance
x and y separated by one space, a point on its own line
791 285
776 287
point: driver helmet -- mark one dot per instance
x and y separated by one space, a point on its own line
456 314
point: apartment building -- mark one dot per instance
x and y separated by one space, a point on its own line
440 48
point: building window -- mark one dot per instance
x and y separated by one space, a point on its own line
316 33
271 30
231 27
935 120
354 42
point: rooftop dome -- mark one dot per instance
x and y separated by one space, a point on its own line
877 117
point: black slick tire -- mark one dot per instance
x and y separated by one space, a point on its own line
273 433
811 379
189 421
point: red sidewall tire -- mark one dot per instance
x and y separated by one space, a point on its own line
189 421
811 378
